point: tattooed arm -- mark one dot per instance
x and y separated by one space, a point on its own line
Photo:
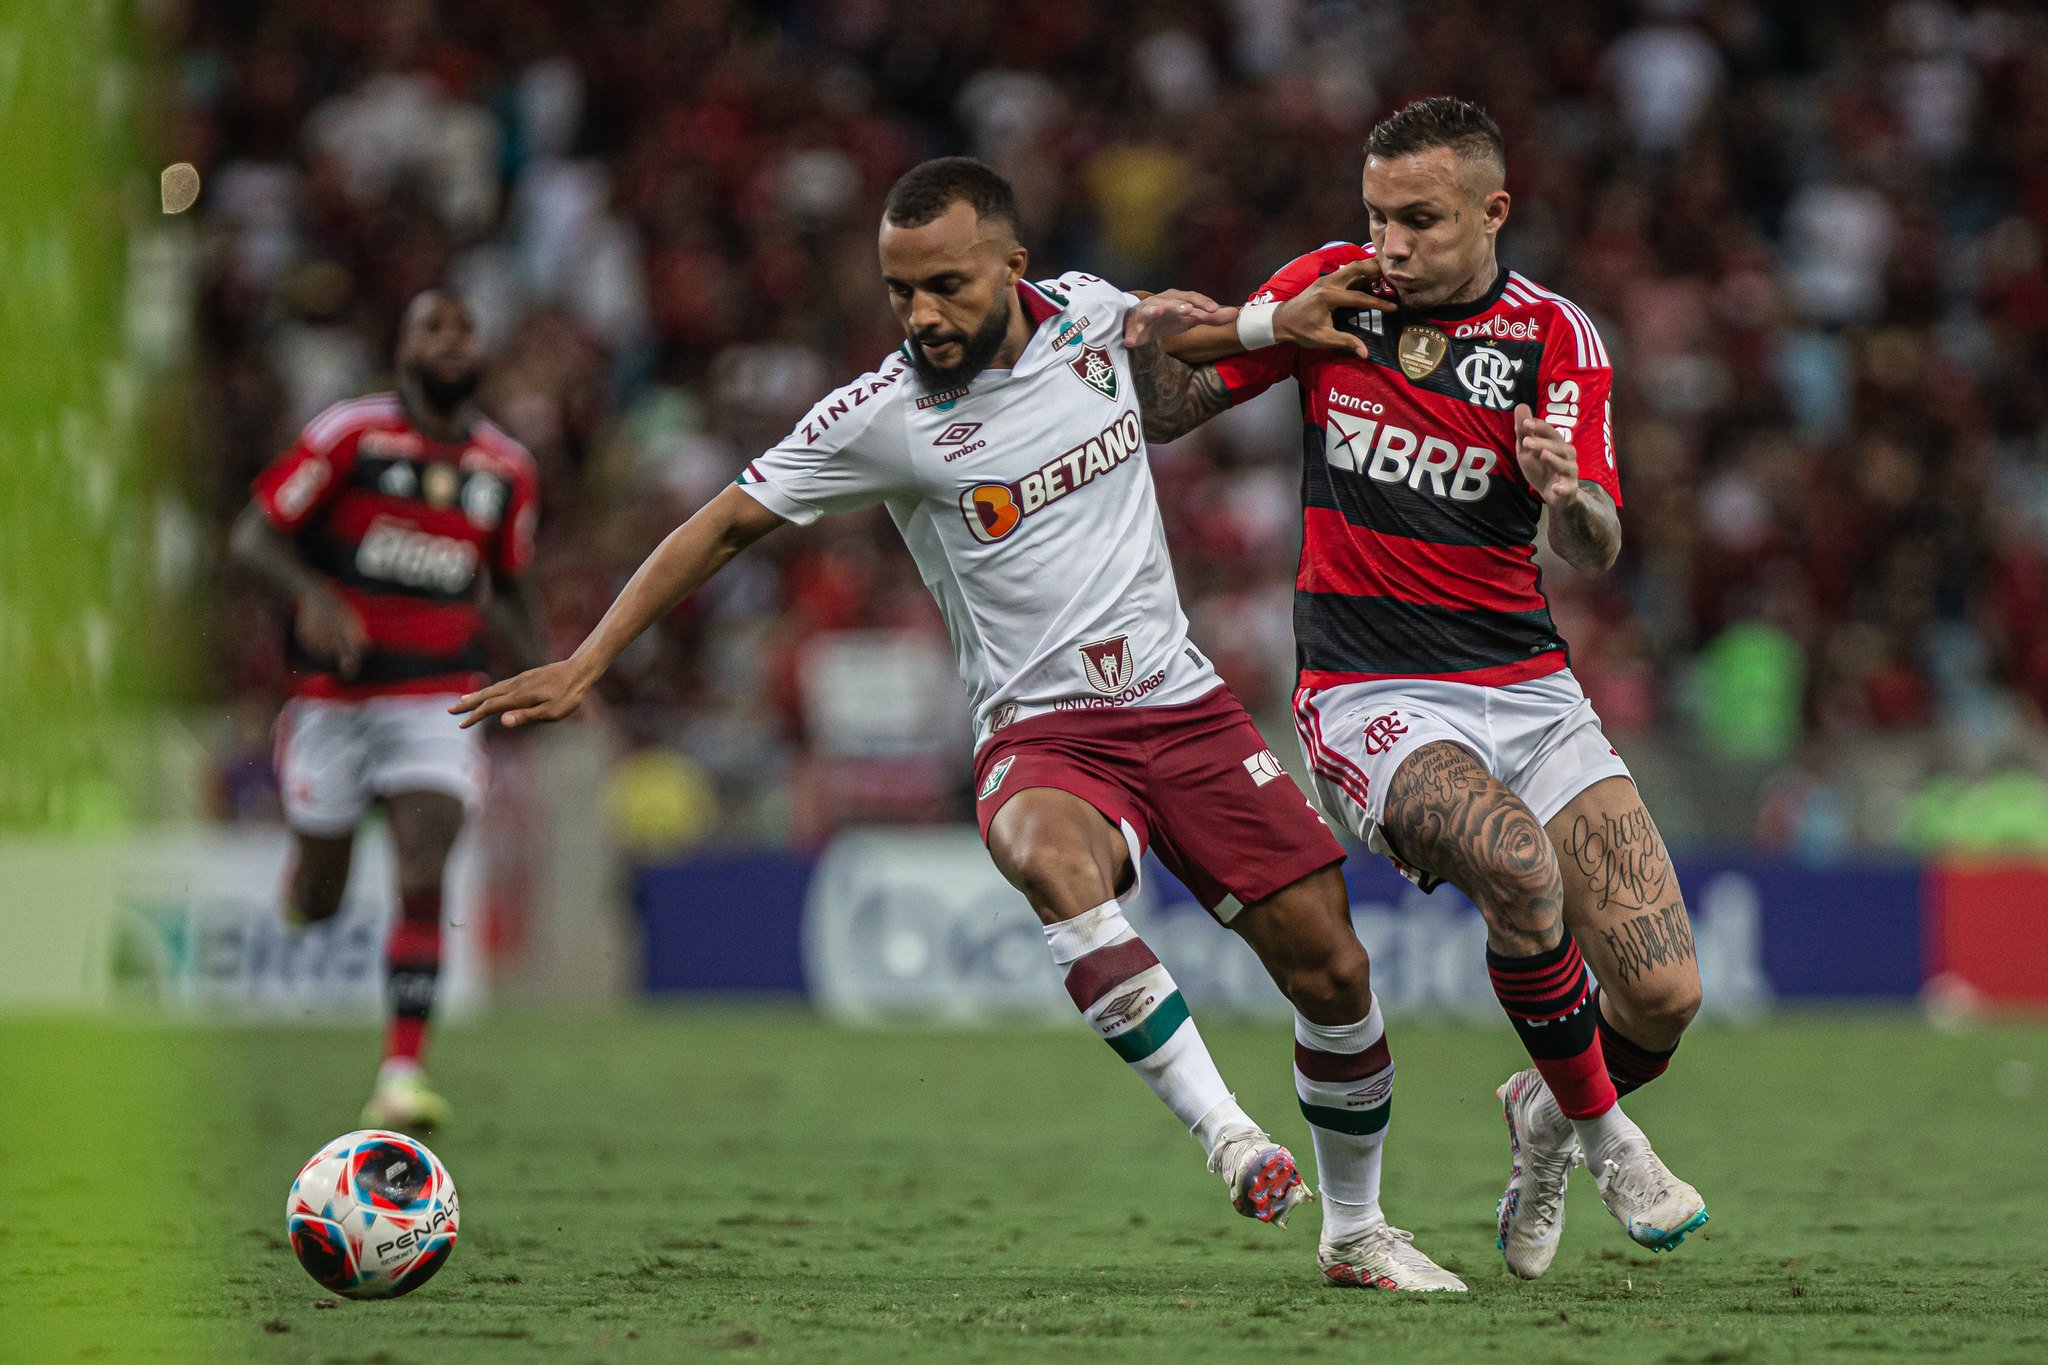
1585 528
1175 398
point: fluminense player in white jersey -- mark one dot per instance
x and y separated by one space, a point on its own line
1007 439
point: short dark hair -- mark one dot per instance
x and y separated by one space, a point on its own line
1440 121
927 190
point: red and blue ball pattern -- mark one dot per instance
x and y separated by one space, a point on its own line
372 1215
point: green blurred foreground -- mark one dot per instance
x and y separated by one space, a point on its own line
758 1186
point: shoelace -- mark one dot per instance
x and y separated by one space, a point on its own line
1643 1180
1551 1174
1396 1245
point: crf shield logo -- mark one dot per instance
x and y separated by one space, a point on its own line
956 434
995 778
1108 664
1096 370
1382 731
1488 376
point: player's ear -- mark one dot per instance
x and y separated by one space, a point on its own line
1016 262
1496 210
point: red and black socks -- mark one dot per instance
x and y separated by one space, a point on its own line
412 961
1630 1065
1548 998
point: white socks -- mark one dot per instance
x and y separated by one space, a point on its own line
1344 1078
1130 999
1601 1137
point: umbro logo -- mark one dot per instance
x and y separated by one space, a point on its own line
960 436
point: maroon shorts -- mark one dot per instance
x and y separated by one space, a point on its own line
1195 783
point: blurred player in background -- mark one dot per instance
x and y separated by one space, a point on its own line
396 525
1006 438
1436 705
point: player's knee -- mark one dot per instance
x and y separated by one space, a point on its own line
317 897
1337 990
1521 888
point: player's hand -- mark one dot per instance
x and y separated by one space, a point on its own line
328 628
549 692
1305 318
1549 461
1171 312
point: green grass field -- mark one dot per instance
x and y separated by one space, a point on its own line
758 1186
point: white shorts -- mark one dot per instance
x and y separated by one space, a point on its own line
335 757
1540 738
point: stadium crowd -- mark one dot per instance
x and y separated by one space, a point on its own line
1812 236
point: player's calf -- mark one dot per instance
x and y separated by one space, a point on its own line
1130 1000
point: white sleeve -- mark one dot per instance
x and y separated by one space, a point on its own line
849 452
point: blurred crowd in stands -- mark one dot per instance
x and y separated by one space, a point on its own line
1811 234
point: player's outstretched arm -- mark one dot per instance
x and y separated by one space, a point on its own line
1306 320
680 565
1585 526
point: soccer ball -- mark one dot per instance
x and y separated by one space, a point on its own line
372 1215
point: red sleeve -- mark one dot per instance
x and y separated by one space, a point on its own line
1251 373
1574 385
513 552
301 481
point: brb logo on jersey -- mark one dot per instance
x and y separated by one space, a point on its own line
1391 454
993 510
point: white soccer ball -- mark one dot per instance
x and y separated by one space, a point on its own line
372 1215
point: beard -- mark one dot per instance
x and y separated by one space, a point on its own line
975 354
446 395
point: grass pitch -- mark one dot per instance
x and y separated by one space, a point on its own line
758 1186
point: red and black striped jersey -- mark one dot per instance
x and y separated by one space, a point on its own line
1418 529
407 526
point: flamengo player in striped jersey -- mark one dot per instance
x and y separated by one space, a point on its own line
1436 706
394 525
1007 441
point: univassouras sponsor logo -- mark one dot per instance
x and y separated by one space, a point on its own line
1516 329
994 510
1144 687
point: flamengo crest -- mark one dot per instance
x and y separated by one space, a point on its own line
1096 370
1108 664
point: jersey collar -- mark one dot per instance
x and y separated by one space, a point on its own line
1459 312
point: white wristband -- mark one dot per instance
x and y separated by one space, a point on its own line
1255 325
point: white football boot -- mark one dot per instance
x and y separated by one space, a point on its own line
1264 1182
1384 1258
1540 1158
405 1102
1656 1207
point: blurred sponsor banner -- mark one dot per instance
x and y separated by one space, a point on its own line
1987 932
918 923
196 928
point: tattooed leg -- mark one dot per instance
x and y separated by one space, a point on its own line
1446 814
1622 902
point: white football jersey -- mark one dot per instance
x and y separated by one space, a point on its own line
1027 502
